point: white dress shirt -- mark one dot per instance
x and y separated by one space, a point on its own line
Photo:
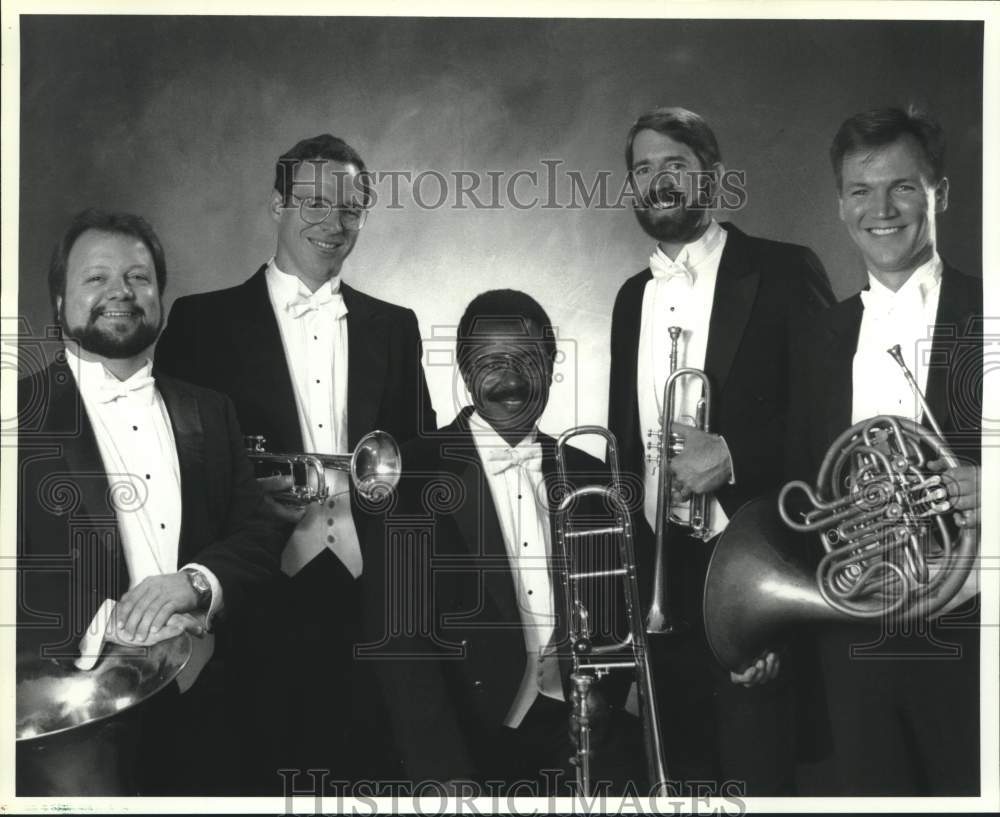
136 442
905 317
681 293
313 329
518 490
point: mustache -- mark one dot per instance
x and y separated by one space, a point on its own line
511 388
663 196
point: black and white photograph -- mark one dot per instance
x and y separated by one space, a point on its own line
519 409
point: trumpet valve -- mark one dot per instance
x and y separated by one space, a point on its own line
254 443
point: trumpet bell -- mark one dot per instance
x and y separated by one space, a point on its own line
376 465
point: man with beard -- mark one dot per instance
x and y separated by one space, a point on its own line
467 616
139 516
312 364
732 296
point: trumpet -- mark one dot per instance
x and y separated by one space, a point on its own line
593 661
663 446
881 521
374 467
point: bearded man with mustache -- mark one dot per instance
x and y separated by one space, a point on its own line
733 297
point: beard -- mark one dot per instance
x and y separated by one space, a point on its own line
679 225
111 344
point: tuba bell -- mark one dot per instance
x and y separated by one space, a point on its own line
374 467
888 546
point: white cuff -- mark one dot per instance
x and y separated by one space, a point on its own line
732 467
216 604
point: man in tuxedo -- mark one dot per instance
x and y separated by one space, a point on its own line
467 625
134 490
733 296
903 699
312 364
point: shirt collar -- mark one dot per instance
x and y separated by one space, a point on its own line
289 288
695 253
918 288
92 375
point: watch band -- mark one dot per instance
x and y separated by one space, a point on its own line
201 586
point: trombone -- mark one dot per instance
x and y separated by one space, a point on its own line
593 661
663 446
374 467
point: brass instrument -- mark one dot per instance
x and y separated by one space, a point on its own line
592 661
77 732
888 547
374 467
663 445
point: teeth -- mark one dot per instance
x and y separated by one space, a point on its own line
884 230
117 314
323 244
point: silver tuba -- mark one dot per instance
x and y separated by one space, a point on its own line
592 661
374 467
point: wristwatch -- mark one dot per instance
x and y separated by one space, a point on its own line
200 585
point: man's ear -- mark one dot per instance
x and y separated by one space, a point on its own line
276 205
941 195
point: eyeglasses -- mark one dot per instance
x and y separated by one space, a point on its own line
316 211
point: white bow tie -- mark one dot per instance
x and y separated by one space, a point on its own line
140 388
321 299
528 457
665 269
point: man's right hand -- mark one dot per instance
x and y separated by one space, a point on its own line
272 486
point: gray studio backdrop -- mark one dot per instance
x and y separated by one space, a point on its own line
181 118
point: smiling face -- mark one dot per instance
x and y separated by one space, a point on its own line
667 176
889 204
111 304
508 372
315 252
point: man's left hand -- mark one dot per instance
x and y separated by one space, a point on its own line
764 669
963 484
703 465
146 607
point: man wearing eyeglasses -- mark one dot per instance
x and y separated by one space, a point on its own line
311 364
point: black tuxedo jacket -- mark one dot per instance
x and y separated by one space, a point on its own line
229 340
70 556
442 618
761 285
822 377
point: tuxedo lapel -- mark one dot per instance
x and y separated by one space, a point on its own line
478 524
366 363
189 438
557 567
834 370
265 371
623 409
68 420
735 289
949 326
